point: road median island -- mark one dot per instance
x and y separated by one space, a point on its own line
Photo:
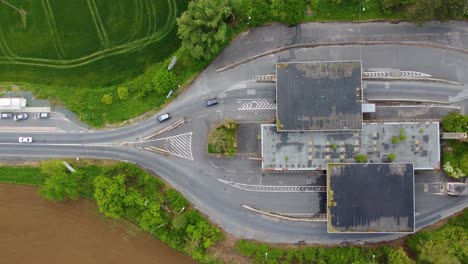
223 139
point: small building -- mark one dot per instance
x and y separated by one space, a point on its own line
416 142
370 198
313 96
7 104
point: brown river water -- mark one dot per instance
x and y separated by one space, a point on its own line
33 230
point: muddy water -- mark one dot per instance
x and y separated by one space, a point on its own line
33 230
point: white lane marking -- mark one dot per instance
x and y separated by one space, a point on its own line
202 116
178 145
61 144
213 164
256 105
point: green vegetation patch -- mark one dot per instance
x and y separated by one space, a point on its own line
223 139
455 159
21 175
448 244
264 253
85 42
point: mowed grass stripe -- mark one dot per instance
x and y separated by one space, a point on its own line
98 23
135 45
49 15
4 46
86 64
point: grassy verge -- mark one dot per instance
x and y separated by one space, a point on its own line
447 244
21 175
147 201
86 101
349 11
223 139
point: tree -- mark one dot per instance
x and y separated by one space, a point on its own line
150 217
59 184
122 92
423 11
446 246
391 157
289 12
361 158
257 10
453 172
176 200
399 256
179 222
164 81
454 122
107 99
395 140
110 194
202 27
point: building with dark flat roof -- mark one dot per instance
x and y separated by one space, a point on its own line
312 96
370 198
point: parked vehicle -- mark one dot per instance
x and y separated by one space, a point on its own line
6 115
44 115
211 102
25 139
19 117
163 117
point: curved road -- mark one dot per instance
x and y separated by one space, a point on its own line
197 179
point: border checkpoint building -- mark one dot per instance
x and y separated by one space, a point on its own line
319 127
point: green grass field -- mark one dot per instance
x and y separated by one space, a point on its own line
84 42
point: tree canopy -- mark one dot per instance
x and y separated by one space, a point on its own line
202 27
454 122
110 195
59 184
289 12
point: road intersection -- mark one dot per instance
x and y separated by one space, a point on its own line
213 184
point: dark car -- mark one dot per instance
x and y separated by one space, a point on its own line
163 117
6 115
211 102
19 117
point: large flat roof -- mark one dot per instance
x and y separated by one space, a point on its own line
313 150
373 198
318 95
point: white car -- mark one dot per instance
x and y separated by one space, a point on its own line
19 117
25 139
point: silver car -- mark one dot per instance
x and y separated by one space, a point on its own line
163 117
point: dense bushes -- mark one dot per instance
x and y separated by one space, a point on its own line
454 122
125 190
336 255
223 139
449 244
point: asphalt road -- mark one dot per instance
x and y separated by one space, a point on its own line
197 179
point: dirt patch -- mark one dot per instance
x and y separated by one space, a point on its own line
71 232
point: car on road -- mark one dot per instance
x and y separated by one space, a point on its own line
6 115
19 117
163 117
44 115
25 139
211 102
